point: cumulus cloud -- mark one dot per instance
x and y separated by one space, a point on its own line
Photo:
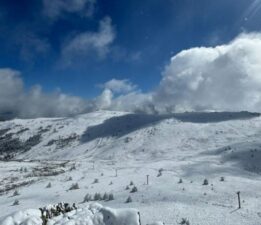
16 102
225 77
87 43
119 86
122 95
11 86
55 8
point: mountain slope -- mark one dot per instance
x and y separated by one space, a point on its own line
104 151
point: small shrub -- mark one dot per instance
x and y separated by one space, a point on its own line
184 221
73 167
128 200
111 183
97 197
127 187
69 179
87 198
49 185
105 197
111 197
160 172
131 183
96 181
222 179
180 181
16 193
16 202
134 189
205 182
74 186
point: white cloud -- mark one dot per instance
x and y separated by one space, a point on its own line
87 43
55 8
226 77
11 87
119 86
104 100
16 101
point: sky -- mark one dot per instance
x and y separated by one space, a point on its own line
65 57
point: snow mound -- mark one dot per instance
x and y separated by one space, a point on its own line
93 214
27 217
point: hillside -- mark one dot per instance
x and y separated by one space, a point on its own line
177 151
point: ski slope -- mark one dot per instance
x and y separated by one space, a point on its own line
117 148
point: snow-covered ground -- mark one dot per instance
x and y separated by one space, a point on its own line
117 148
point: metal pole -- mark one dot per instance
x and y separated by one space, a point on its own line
239 202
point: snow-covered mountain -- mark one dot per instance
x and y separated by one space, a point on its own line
177 151
117 135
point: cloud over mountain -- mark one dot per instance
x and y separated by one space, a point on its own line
225 77
18 102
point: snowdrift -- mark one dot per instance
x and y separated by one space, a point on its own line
93 214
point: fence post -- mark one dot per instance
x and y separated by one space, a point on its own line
239 201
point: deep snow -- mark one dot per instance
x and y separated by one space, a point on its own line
192 147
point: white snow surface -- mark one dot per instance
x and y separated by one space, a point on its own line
94 214
191 147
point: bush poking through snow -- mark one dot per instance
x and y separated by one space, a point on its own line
16 193
131 183
111 197
222 179
184 221
105 197
127 187
97 197
111 183
87 198
205 182
69 179
54 210
16 202
96 181
128 200
134 189
160 172
49 185
73 167
180 181
74 186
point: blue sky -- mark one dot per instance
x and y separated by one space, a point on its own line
147 34
76 47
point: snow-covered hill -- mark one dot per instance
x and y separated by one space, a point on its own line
117 148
